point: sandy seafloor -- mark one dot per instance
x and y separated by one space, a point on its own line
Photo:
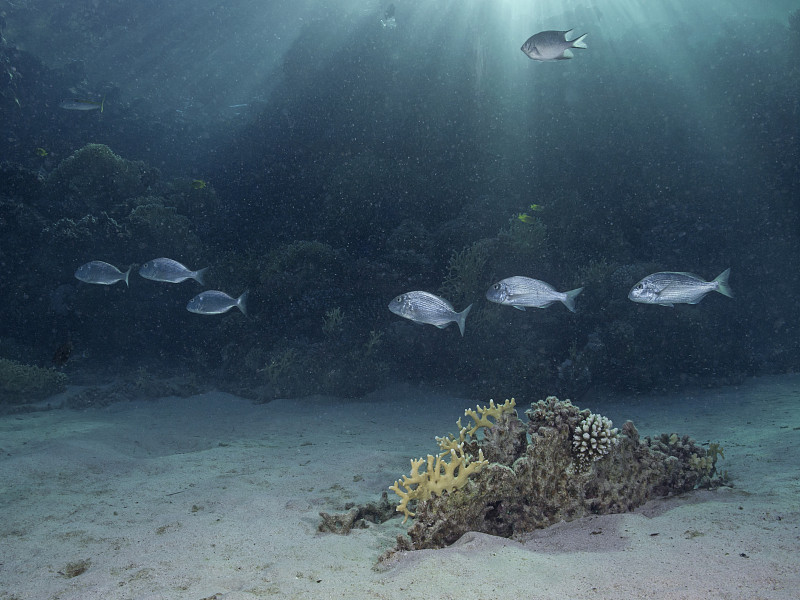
215 496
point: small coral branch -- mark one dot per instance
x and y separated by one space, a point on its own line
493 410
332 322
373 342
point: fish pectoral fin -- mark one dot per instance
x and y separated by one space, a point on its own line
522 308
662 290
666 304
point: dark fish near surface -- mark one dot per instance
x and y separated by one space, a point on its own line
101 273
521 292
423 307
169 271
552 45
669 288
214 302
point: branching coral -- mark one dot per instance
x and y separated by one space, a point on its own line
495 411
442 476
439 476
373 342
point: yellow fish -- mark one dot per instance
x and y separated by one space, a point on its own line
198 184
41 152
537 207
525 218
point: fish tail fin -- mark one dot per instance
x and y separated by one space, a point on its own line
241 302
199 276
722 283
569 301
462 319
579 43
127 274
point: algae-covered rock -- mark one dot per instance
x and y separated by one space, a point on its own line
162 229
93 179
21 383
91 233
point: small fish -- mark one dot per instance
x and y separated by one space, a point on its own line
214 302
525 218
101 273
41 152
521 292
388 19
82 104
546 46
198 184
669 288
169 271
536 207
422 307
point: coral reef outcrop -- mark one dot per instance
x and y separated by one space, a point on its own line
565 464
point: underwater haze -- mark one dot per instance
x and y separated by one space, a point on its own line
328 157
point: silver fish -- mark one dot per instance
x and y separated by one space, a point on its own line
520 292
101 273
422 307
82 105
169 271
552 45
214 302
669 288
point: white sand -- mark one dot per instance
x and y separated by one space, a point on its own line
215 496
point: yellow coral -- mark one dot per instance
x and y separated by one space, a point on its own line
438 477
450 442
493 410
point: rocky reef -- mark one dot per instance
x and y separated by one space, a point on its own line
27 383
563 464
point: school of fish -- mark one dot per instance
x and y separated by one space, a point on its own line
665 288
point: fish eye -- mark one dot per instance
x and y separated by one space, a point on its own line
639 286
496 286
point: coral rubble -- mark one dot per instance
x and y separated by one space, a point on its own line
540 474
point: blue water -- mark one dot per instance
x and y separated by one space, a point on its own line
325 163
